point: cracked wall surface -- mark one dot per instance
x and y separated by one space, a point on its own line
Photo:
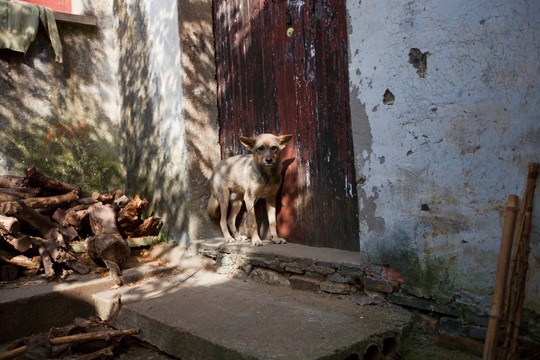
437 162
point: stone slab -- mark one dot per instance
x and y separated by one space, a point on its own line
204 315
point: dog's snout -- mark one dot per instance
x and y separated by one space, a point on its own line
269 160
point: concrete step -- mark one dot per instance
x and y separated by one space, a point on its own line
200 314
31 306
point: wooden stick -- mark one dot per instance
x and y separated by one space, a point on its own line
10 257
490 344
52 201
36 179
9 224
514 301
105 353
101 335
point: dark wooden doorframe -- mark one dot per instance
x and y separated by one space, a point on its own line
272 80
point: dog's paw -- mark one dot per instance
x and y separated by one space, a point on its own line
230 240
257 242
243 238
278 240
240 238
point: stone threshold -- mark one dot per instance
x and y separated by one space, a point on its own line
301 267
318 269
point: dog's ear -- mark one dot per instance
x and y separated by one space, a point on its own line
247 142
284 140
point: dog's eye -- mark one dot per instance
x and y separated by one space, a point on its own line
260 149
274 148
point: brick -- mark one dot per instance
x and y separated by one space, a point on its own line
380 285
304 283
451 326
334 288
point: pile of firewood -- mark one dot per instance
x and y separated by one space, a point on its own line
40 219
86 339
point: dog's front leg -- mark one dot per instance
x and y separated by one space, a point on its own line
223 199
252 219
271 210
236 205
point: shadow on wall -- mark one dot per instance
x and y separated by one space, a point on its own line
57 116
161 116
199 109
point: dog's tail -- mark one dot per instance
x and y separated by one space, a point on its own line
212 207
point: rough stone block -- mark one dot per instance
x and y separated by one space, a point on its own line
451 326
362 299
269 277
350 269
258 261
226 260
334 288
294 269
314 274
380 285
477 332
326 265
423 304
322 270
304 283
306 262
338 278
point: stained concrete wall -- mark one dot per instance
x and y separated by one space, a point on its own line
437 160
63 118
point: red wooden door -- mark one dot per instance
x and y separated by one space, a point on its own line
282 68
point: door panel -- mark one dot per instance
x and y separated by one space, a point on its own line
296 83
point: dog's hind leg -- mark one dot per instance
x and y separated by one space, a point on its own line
271 210
236 205
252 222
223 199
212 207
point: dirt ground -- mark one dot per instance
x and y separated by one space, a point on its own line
420 345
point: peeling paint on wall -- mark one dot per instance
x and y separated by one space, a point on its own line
456 141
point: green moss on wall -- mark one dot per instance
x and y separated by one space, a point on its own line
77 156
426 275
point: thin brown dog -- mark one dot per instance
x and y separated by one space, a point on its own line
248 178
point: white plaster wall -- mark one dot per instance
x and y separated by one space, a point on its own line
151 97
165 68
457 141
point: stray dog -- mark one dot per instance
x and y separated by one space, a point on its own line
249 178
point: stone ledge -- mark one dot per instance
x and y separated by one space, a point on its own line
308 268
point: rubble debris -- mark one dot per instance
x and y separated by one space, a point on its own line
41 218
